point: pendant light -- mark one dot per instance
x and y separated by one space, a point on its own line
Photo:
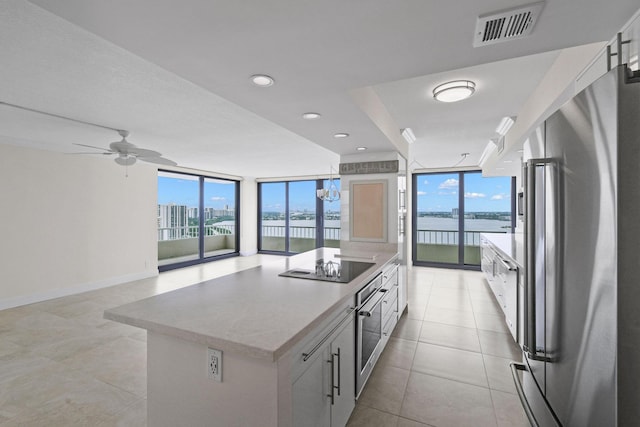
330 194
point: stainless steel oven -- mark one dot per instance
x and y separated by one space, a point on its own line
369 329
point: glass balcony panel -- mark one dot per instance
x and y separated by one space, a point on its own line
272 209
437 218
302 216
219 217
487 210
178 216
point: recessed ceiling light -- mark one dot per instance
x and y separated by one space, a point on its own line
311 116
341 135
262 80
454 91
507 161
361 148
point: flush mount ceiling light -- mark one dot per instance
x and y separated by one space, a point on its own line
361 148
262 80
454 91
408 135
311 116
504 125
341 135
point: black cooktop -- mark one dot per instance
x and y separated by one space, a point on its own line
340 271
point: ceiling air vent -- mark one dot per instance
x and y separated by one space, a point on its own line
506 25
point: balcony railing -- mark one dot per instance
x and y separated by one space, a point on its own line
445 237
297 232
190 232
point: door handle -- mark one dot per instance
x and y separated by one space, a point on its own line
529 341
339 374
333 387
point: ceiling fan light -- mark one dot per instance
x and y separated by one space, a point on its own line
123 160
454 91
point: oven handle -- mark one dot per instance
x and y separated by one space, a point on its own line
368 308
306 356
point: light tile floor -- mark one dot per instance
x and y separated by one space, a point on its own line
62 364
447 363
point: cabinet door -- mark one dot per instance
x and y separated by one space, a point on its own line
343 354
311 405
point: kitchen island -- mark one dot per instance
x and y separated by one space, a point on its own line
261 323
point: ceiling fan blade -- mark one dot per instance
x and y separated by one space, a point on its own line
108 153
143 152
158 160
97 148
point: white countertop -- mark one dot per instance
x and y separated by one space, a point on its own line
253 312
510 244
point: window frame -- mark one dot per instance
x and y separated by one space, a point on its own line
201 222
460 265
319 216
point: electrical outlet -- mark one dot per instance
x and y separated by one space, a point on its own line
214 364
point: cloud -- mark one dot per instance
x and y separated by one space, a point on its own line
501 196
426 182
217 198
449 183
474 195
422 193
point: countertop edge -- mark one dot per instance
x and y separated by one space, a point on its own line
244 349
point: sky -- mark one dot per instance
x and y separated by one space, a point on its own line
435 192
302 196
217 193
440 192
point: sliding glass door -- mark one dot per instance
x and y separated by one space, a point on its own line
451 210
197 219
293 219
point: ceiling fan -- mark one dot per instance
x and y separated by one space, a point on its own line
128 154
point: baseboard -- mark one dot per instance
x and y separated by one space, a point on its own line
248 253
58 293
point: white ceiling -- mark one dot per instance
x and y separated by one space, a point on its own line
176 75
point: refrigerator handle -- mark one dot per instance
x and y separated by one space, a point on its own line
529 341
515 367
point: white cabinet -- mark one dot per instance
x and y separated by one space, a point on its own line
390 302
324 393
502 275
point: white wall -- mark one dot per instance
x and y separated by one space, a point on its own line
248 216
72 223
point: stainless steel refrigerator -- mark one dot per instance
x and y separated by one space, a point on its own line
581 310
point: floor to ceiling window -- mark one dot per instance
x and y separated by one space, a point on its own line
293 219
197 219
451 210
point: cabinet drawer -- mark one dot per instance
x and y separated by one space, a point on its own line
310 348
389 303
390 276
389 324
